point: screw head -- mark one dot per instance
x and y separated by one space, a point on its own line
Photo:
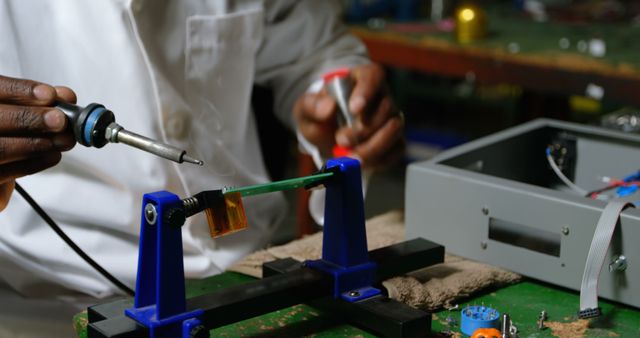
565 230
199 332
108 133
618 264
176 217
111 132
513 330
543 315
485 210
483 245
150 213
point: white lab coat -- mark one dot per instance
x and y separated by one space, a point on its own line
180 71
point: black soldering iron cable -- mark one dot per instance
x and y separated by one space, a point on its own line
70 242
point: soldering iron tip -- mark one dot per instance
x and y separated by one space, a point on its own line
187 158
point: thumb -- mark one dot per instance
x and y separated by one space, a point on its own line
6 189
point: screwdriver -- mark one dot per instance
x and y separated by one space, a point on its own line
95 126
339 84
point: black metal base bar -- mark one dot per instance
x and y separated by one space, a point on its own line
286 283
266 295
380 315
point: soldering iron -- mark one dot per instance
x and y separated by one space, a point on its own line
95 126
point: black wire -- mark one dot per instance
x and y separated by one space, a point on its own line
70 242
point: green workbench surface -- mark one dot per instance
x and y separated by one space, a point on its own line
522 301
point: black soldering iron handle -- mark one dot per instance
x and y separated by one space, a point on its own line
88 123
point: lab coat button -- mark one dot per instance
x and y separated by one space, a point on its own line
177 125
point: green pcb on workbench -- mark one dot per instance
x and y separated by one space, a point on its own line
295 321
289 184
522 301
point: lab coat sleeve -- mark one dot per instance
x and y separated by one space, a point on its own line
302 40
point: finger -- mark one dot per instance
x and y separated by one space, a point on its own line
30 165
368 123
392 156
65 94
14 149
371 109
26 92
368 83
63 141
317 107
318 134
365 128
6 188
21 120
315 121
346 137
378 144
386 161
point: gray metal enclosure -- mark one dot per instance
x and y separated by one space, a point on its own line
497 200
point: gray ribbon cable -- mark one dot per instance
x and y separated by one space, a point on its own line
595 259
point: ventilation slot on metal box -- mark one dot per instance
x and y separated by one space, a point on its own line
524 236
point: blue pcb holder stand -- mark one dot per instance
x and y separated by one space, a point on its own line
160 303
344 243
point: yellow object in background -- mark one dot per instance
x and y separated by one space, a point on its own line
471 23
583 104
226 215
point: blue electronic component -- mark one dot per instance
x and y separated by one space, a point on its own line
632 177
478 317
344 243
626 190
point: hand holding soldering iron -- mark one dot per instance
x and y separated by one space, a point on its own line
38 122
33 134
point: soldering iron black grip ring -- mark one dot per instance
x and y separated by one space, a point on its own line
81 121
99 118
98 138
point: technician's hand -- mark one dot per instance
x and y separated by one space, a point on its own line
32 133
376 138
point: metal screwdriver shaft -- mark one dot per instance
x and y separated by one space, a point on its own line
339 85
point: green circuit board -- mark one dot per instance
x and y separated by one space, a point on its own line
293 183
